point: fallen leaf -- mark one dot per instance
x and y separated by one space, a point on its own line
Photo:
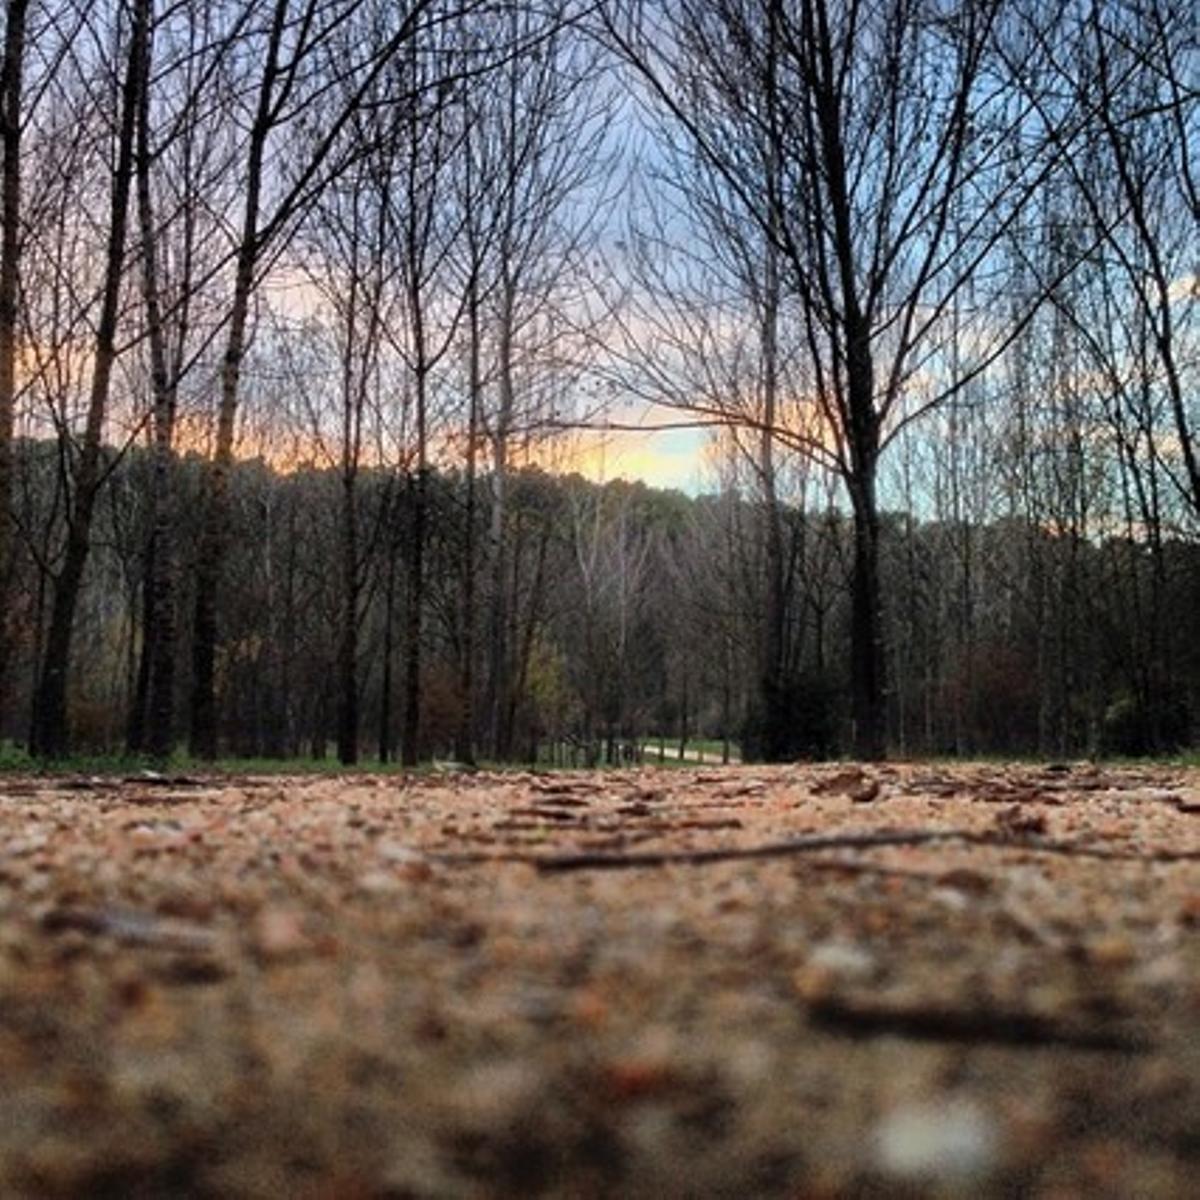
865 792
278 933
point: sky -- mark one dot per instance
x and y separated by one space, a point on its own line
674 458
678 459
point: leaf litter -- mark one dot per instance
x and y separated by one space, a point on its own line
805 980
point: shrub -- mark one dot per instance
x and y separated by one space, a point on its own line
1135 725
798 720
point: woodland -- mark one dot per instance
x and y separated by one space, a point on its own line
632 615
308 312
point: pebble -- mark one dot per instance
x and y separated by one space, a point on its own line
278 933
842 958
936 1141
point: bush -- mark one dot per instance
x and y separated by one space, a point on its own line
14 757
1135 726
798 720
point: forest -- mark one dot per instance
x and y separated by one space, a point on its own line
633 618
312 312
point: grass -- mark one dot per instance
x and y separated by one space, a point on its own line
15 759
711 746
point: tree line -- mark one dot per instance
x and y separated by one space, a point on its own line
299 302
634 621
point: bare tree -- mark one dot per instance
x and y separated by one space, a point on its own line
1140 73
901 159
428 226
542 133
305 48
11 117
1127 318
611 556
50 733
352 266
477 183
178 165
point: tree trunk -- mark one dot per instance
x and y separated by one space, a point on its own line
347 665
286 735
866 628
153 722
776 736
10 249
211 557
529 629
867 651
347 709
464 743
499 683
410 733
385 689
135 720
160 712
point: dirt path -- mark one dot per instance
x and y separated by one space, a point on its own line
657 754
788 982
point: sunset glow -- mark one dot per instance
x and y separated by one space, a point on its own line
674 458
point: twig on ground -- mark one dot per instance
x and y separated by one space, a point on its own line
864 1017
844 841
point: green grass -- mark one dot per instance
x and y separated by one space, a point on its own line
16 759
289 766
711 746
1185 758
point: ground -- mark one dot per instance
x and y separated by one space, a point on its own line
797 981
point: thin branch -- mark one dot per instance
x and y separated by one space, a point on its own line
586 860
